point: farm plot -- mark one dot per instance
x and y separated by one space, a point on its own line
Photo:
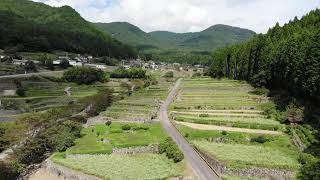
101 139
142 105
238 135
131 167
94 153
221 102
42 94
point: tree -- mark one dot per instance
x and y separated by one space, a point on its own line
64 64
30 66
84 75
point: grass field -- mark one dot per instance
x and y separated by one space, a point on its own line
131 167
242 156
94 139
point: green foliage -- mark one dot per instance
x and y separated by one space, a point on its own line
126 127
260 139
130 73
286 58
171 149
203 115
98 103
21 92
260 91
30 66
31 26
83 75
64 63
108 123
310 171
168 74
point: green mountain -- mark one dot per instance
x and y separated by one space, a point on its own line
207 40
31 26
129 34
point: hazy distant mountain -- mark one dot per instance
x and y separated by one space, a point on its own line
208 39
32 26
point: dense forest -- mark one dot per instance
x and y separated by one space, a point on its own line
286 58
31 26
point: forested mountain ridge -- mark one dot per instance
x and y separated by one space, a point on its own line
206 40
128 33
31 26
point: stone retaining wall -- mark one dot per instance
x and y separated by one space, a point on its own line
273 174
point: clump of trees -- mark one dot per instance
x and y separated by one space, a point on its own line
133 73
84 75
98 103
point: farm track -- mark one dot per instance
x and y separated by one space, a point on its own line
198 164
224 128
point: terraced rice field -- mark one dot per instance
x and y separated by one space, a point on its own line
131 167
142 105
223 107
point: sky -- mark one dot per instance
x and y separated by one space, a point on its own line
191 15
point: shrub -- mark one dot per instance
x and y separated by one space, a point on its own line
108 123
21 92
84 75
259 139
171 149
305 158
126 127
64 64
169 74
224 133
197 74
310 171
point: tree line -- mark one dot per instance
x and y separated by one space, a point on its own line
285 58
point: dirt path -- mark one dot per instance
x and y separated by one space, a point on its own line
224 128
197 163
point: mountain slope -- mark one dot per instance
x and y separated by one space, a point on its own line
31 26
207 40
211 38
128 33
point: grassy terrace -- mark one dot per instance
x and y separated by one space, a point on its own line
141 105
229 103
240 150
131 167
100 139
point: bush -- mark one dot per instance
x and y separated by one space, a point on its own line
305 158
310 171
169 74
197 74
224 133
108 123
126 127
84 75
64 64
259 139
171 149
21 92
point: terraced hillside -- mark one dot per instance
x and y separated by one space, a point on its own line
122 146
142 105
224 121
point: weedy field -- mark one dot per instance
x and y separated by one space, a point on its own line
221 107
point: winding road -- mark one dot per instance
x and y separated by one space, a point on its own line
202 169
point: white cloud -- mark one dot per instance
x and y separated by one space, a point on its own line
191 15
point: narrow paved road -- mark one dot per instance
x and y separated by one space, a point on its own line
30 74
198 164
